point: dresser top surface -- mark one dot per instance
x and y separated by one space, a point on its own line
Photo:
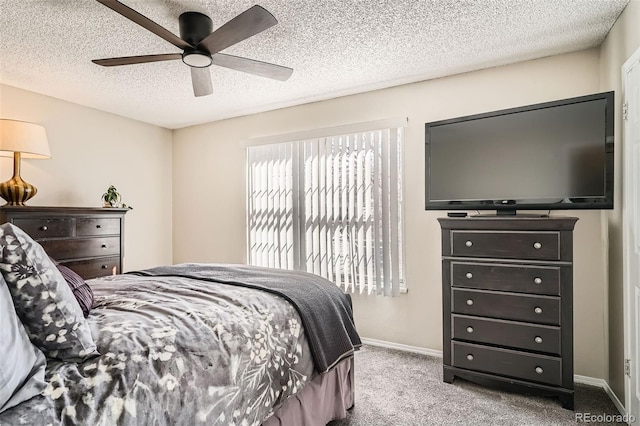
513 223
28 210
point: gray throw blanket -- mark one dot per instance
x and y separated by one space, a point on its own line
326 312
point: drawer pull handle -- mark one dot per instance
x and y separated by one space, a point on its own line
104 246
469 302
470 357
538 339
469 329
537 280
538 310
98 226
104 266
537 245
44 228
469 275
539 370
468 244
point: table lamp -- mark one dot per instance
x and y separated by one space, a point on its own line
21 140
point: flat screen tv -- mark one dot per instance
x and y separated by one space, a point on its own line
554 155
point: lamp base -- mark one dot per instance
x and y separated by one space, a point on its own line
16 191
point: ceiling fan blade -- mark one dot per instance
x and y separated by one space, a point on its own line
249 23
130 60
201 79
146 23
251 66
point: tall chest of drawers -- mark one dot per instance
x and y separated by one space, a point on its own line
88 240
507 286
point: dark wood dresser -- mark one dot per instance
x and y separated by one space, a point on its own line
88 240
507 286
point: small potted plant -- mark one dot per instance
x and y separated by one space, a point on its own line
112 198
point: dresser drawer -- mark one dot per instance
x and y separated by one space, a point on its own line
515 278
39 228
506 245
539 338
510 306
84 247
86 227
505 362
94 268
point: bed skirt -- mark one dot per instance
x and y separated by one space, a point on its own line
325 398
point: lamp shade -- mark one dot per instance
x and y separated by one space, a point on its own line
26 138
20 139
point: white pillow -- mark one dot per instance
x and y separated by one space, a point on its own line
22 365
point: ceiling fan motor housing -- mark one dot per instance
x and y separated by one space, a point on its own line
194 27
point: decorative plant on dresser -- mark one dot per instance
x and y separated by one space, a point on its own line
90 241
112 198
507 287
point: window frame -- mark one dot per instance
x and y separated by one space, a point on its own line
299 138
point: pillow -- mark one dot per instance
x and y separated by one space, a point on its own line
22 365
43 300
81 290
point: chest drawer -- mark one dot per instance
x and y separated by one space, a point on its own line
506 245
510 306
79 248
515 278
39 228
539 338
505 362
93 268
86 227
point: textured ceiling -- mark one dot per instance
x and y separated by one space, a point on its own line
336 47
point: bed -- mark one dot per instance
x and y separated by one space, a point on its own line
181 345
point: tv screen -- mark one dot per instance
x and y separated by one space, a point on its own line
555 155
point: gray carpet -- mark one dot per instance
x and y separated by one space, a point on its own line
400 388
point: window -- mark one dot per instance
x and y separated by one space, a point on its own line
332 206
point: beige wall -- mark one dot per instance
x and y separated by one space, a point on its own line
209 191
200 177
90 150
623 40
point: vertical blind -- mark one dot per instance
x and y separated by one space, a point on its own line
331 206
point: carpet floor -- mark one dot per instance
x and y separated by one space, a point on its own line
400 388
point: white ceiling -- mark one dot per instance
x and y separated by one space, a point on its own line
336 48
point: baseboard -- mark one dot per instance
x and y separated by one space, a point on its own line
585 380
401 347
591 381
601 383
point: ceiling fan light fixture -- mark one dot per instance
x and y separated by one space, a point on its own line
197 59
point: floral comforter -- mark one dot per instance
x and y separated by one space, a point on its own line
176 351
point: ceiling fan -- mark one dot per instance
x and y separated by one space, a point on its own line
201 46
